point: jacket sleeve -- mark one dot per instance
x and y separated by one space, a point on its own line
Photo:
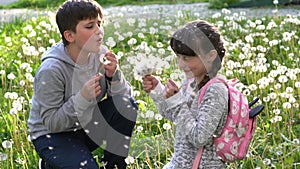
160 101
119 85
57 113
200 123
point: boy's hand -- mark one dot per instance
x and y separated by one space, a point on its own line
170 89
149 83
91 89
111 67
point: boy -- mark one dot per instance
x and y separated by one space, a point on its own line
79 103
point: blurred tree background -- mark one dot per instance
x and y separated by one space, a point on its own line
213 4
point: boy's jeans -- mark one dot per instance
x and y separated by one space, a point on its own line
113 125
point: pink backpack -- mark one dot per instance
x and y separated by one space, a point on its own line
239 128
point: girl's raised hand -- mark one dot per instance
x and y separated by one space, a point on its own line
170 89
149 82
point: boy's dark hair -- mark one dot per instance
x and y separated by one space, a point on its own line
73 11
196 38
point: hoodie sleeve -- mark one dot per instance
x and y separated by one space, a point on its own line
119 85
57 112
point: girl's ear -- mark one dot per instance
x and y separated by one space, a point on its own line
69 36
212 55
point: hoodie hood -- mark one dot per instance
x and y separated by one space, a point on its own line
58 52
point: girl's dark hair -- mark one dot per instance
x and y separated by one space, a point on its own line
197 38
73 11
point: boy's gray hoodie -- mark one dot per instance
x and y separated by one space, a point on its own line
57 104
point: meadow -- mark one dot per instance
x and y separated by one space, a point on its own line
263 52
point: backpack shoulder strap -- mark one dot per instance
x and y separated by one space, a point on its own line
197 159
204 88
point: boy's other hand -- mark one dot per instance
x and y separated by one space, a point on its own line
91 89
149 83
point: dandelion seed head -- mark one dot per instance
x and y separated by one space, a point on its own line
7 144
3 157
296 141
267 161
287 105
139 129
276 111
129 160
166 126
158 117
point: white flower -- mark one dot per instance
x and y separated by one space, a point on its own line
296 141
2 72
52 41
129 160
139 129
3 157
273 95
20 161
22 83
276 119
141 35
158 117
7 39
149 114
273 43
17 105
276 111
297 84
132 41
282 79
7 144
13 111
287 105
11 76
277 86
111 42
289 90
167 126
267 161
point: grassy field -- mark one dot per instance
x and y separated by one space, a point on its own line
262 52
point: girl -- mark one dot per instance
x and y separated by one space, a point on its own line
199 46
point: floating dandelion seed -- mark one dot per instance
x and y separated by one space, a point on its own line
83 163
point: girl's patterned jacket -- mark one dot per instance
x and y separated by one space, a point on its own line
195 125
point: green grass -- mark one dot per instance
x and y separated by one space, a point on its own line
263 52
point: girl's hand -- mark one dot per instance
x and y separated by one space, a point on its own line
111 67
170 89
149 83
91 89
